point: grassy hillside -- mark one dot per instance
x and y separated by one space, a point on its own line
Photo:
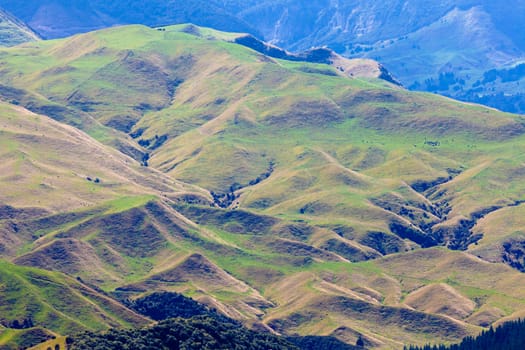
348 152
286 194
55 167
54 301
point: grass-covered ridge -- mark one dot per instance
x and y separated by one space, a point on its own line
34 298
283 194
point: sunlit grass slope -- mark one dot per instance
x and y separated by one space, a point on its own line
291 139
284 194
55 167
55 301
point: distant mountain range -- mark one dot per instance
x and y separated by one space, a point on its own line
61 18
14 31
472 50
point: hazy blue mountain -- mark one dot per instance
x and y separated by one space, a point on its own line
449 47
13 31
61 18
466 49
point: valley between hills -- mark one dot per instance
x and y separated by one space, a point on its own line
299 195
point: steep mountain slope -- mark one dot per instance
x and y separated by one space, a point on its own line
447 47
52 175
367 23
13 31
286 194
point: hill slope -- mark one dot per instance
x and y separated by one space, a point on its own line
37 297
286 194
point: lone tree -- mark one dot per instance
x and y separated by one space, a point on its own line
360 342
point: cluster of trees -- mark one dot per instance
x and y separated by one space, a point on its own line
506 75
453 86
325 343
16 324
514 103
198 332
187 324
161 306
509 336
442 83
224 200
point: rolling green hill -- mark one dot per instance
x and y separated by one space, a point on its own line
293 196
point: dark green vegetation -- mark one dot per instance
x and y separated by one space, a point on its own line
446 47
508 336
194 333
161 306
325 343
283 194
199 332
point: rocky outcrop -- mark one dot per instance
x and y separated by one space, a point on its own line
358 68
